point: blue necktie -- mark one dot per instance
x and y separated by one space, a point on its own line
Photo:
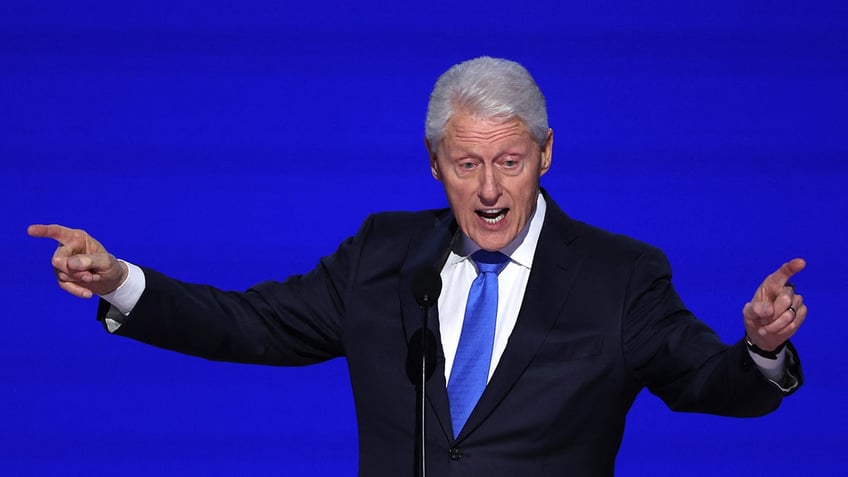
474 353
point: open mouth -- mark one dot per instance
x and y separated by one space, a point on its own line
492 216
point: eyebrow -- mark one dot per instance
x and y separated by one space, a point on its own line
512 148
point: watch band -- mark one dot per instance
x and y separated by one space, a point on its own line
761 352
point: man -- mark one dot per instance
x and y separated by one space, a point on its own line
537 360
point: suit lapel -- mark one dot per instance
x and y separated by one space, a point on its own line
553 273
429 250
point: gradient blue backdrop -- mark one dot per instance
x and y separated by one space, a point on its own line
230 143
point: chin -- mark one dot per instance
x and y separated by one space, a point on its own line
491 244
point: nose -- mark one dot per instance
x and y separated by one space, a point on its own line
490 187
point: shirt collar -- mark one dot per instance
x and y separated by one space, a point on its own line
521 250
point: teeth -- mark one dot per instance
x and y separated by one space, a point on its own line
493 220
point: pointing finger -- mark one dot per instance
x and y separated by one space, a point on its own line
774 283
71 241
56 232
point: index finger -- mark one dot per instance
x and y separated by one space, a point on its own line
56 232
775 282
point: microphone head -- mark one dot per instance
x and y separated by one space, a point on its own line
426 286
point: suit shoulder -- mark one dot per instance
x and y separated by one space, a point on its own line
401 226
403 223
614 246
593 242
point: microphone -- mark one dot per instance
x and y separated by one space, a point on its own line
426 287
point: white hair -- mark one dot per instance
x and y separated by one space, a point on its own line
490 88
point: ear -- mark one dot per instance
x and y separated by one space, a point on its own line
547 153
434 163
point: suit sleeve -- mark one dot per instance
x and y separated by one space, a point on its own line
680 359
295 322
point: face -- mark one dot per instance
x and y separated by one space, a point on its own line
490 171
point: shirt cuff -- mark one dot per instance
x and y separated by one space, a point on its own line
787 382
772 369
125 297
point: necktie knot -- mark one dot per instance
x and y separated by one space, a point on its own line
489 262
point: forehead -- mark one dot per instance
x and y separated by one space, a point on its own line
464 129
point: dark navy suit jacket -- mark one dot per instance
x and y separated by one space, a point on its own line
599 322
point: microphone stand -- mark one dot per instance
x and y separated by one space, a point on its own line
422 450
426 286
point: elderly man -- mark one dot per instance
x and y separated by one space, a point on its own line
546 331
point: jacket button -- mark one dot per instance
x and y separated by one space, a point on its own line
455 454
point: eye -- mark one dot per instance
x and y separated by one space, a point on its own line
510 165
465 167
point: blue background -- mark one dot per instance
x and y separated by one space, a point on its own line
232 143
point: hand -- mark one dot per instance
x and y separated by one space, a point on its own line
776 311
82 266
